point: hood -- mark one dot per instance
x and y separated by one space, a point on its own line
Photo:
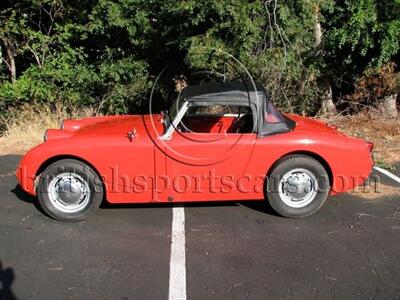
111 125
304 124
105 126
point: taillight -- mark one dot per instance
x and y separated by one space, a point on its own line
370 146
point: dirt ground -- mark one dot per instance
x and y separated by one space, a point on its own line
384 133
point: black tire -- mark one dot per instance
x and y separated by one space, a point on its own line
286 165
84 176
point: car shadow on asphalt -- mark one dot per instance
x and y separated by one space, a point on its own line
7 278
26 198
260 206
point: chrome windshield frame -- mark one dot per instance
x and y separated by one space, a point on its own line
172 125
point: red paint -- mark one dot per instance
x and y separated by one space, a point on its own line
104 144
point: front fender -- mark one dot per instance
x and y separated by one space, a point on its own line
78 148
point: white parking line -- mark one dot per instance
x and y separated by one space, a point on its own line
387 173
177 264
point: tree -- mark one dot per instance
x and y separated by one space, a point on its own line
10 37
325 86
306 53
360 34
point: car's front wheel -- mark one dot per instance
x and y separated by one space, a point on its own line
298 186
69 190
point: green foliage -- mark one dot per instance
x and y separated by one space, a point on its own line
361 34
385 165
107 53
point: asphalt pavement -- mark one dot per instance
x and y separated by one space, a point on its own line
349 250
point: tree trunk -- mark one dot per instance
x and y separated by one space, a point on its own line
327 105
389 106
317 29
11 63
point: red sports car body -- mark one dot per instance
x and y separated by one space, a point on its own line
195 153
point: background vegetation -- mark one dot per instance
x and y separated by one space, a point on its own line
310 54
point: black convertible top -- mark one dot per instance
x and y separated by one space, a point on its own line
267 120
225 92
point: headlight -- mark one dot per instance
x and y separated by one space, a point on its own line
45 136
55 134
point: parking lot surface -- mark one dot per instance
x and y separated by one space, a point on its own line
349 250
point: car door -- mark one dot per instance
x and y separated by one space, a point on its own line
210 164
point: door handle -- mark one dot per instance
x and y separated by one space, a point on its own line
131 134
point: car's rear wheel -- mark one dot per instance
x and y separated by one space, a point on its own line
298 186
69 190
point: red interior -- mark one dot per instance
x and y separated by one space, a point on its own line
210 124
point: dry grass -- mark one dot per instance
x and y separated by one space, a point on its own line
25 128
375 192
371 126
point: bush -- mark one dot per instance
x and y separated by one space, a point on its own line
374 85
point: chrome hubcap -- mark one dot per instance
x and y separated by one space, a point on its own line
69 192
298 188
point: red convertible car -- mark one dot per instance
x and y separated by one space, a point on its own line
218 142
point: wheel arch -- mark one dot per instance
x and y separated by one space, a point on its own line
56 158
314 155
